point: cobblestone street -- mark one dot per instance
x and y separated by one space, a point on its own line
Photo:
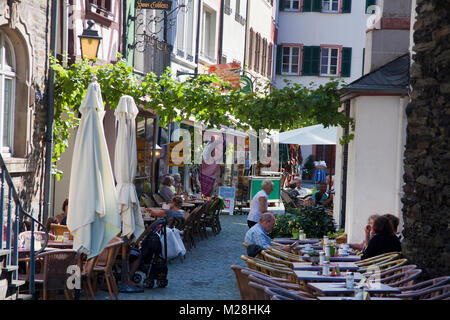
205 274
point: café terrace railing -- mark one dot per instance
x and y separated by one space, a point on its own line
15 225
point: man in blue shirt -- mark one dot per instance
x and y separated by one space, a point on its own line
258 233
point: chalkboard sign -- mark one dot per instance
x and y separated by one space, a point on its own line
256 184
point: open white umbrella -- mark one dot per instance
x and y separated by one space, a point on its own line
93 217
125 162
310 135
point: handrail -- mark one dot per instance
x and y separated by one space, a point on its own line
20 213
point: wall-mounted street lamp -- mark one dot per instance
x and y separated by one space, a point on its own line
90 41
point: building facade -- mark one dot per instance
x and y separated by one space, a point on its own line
24 43
261 40
319 40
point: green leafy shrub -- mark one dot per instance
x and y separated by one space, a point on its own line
314 221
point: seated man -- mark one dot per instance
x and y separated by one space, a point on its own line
302 192
321 197
174 211
257 234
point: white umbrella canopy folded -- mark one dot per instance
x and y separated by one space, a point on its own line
309 135
93 217
125 162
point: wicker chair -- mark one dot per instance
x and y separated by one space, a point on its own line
399 280
435 293
258 291
278 297
272 291
285 255
252 263
105 264
420 289
385 257
53 275
158 199
211 217
271 258
188 229
268 282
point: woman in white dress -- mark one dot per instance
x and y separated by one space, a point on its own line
259 204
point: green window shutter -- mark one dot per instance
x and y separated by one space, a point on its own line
307 6
346 62
279 58
347 6
370 3
306 67
315 61
281 5
317 5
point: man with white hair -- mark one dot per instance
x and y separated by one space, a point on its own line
302 192
259 203
258 234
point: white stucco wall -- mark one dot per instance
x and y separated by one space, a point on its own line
375 162
315 29
234 34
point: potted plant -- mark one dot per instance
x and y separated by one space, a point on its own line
295 233
314 256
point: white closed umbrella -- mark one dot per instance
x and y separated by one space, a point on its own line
125 162
93 213
309 135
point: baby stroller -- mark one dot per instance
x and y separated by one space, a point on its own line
153 265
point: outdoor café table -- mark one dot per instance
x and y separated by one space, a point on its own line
343 266
352 298
60 244
187 205
333 288
352 258
302 248
291 240
303 275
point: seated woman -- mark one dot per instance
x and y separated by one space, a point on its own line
167 192
174 211
62 217
293 193
383 241
368 230
321 197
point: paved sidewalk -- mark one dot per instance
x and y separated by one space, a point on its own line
205 274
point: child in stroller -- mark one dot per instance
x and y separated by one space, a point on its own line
148 264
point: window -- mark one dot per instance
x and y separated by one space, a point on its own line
330 6
209 34
257 52
291 5
102 5
290 60
264 56
184 31
7 93
227 8
250 48
329 61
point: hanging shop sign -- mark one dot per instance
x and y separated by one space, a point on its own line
154 4
246 84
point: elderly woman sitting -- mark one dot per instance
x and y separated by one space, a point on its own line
167 191
259 203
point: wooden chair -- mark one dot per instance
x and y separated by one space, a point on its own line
105 264
252 263
58 230
272 291
422 286
53 275
158 199
87 277
188 229
257 291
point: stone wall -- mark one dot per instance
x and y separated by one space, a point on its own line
27 24
426 209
